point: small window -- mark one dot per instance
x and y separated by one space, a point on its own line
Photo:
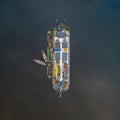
57 40
64 40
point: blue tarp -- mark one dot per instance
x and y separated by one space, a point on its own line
56 49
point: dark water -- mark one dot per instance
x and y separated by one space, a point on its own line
25 91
